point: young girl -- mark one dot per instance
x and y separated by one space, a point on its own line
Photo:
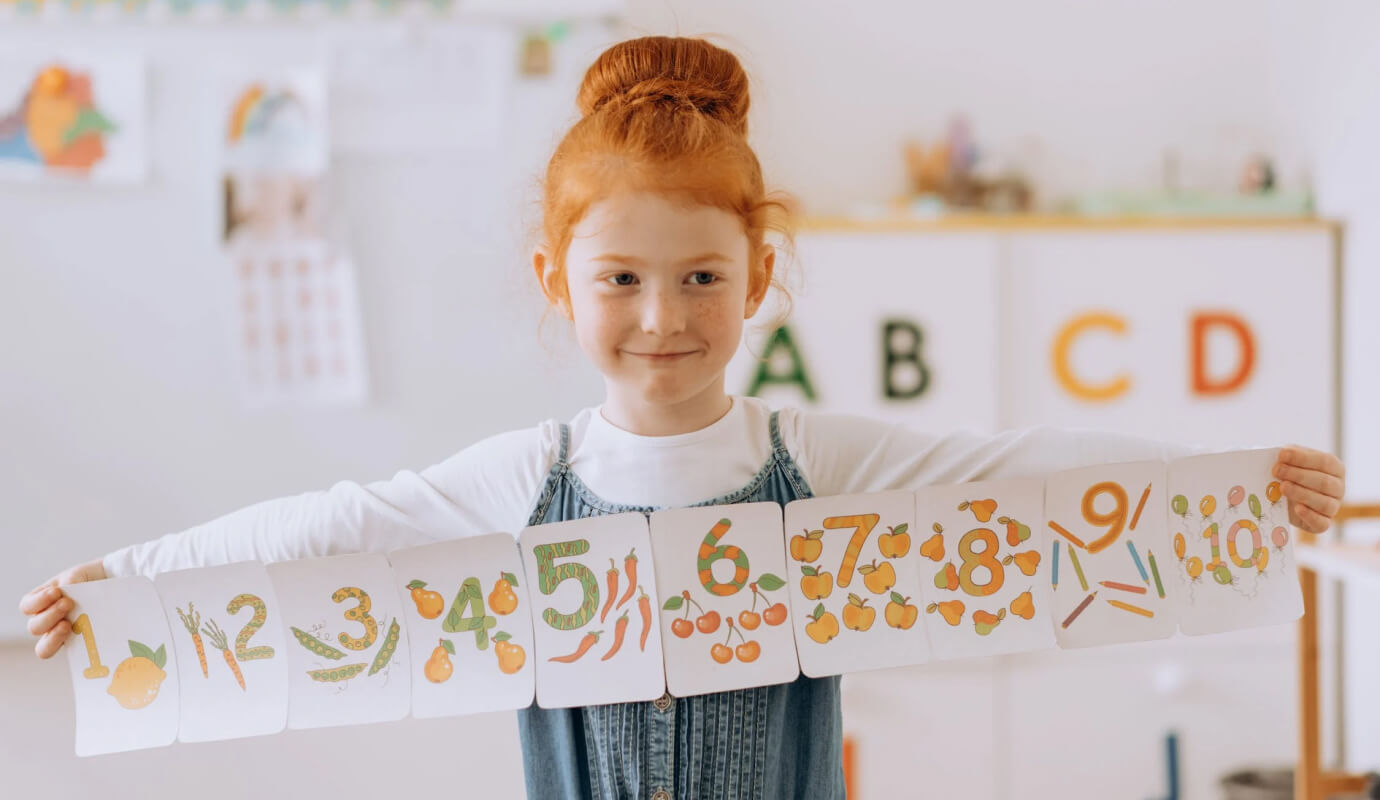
655 221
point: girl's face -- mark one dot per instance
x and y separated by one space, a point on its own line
658 291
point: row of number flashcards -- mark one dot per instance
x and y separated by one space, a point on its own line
703 599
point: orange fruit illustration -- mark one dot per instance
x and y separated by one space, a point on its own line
429 603
748 651
896 542
982 509
721 653
438 667
503 600
1023 606
807 547
946 578
856 615
138 677
1026 562
510 654
985 623
950 610
933 548
878 578
816 585
900 613
823 627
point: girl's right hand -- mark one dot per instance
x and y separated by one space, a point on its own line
47 606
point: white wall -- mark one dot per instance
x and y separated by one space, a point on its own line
119 414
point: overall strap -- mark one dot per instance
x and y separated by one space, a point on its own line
563 458
789 469
778 447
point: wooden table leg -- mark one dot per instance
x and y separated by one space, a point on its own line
1308 773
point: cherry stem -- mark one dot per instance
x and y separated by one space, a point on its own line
730 631
754 598
697 605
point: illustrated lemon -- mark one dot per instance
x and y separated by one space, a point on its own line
138 678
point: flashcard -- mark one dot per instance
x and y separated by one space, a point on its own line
227 630
982 577
475 656
348 658
1220 505
725 617
597 638
1109 554
124 673
853 583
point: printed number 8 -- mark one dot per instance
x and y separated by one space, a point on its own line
987 558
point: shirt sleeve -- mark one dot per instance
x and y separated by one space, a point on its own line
488 487
847 454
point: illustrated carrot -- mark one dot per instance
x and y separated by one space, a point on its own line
585 644
644 604
618 631
630 568
218 639
192 619
613 590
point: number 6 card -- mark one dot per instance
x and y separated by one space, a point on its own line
854 585
597 637
725 619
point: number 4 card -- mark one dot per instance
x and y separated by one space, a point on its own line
232 651
854 584
470 654
725 619
982 575
124 671
597 637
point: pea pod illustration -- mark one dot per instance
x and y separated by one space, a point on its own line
336 674
390 644
316 645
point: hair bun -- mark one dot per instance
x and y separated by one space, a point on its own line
668 72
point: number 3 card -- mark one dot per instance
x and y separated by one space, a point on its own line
853 582
348 658
231 650
597 638
982 575
1235 555
725 618
473 655
124 673
1109 553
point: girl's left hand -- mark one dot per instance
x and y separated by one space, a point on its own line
1314 483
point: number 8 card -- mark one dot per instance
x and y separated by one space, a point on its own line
597 638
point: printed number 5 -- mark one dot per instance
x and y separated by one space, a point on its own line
549 576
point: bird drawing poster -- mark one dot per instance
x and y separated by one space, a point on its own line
67 117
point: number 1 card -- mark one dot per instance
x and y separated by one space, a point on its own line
725 620
854 584
597 636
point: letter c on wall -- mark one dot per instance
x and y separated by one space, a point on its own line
1063 371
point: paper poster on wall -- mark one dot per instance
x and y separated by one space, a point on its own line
73 117
123 667
295 320
276 123
231 648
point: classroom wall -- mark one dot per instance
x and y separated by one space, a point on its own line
119 412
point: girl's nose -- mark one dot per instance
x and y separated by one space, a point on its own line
663 313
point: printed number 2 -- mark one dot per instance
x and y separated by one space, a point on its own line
549 576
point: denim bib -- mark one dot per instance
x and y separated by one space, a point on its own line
783 741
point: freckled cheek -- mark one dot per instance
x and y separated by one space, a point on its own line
717 323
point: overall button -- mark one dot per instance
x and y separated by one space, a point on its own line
661 794
662 703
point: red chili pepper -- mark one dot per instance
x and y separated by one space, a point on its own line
630 567
644 604
613 590
585 644
618 631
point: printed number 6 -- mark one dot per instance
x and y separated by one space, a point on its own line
549 576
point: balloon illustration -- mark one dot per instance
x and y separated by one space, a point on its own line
1207 505
1222 575
1262 558
1272 492
1195 567
1179 545
1236 495
1255 506
1279 536
1179 504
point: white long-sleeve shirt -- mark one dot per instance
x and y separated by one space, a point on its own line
493 485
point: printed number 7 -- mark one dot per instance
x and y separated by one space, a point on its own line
862 525
549 576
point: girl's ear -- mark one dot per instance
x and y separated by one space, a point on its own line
552 281
761 280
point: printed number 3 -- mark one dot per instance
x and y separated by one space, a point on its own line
549 576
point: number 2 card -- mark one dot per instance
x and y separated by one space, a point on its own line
725 617
854 584
597 637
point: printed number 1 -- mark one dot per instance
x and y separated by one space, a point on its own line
549 576
96 670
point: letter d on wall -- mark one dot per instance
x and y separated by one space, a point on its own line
1203 323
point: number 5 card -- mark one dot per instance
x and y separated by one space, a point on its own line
725 619
348 658
124 673
475 655
231 650
854 584
597 638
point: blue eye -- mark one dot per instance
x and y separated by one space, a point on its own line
703 278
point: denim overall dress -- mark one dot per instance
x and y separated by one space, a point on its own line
783 741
